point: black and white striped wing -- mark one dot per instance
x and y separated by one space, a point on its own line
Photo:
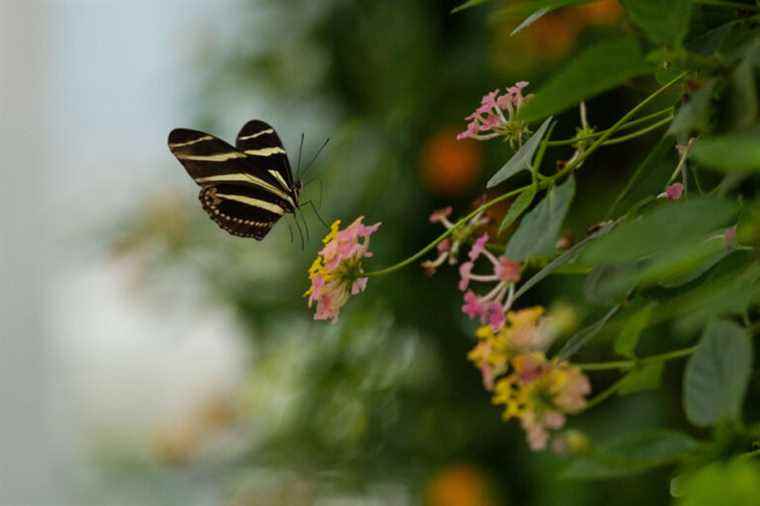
259 140
244 211
238 192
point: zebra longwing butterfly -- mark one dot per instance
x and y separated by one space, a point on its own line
245 189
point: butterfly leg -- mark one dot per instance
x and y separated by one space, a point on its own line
316 213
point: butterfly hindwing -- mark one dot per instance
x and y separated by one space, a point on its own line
240 210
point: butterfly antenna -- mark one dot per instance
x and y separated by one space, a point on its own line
316 155
290 230
300 150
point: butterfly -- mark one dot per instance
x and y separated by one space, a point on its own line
245 189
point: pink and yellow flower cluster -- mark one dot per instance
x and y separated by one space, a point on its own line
540 393
337 272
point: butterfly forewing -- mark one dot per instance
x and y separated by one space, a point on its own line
244 193
259 140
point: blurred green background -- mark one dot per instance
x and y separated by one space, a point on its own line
192 371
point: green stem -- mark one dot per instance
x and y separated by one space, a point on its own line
638 133
604 394
461 222
614 128
630 364
630 124
544 183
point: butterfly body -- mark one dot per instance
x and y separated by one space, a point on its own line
245 189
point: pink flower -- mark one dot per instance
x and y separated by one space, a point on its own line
674 191
478 247
505 274
494 316
464 273
473 127
336 273
441 215
729 237
472 306
448 248
508 271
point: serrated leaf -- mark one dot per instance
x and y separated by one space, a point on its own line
732 152
716 376
633 454
662 24
646 377
521 203
593 71
522 159
665 228
538 231
626 342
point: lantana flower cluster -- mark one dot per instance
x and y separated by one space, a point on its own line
540 393
337 272
448 249
511 344
495 117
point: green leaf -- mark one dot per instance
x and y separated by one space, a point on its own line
695 116
646 377
522 159
748 227
732 152
626 342
716 376
609 283
729 293
593 71
662 24
735 483
585 335
662 229
538 231
467 5
568 256
521 203
743 100
633 454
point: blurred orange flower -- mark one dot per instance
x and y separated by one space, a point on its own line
449 168
460 485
